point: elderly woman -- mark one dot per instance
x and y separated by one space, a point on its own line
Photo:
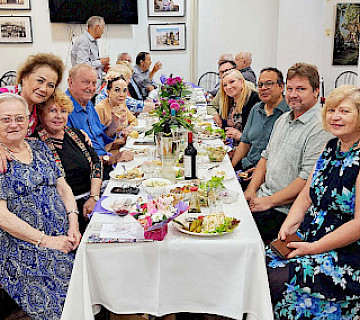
124 69
37 79
321 277
78 162
117 89
239 97
38 218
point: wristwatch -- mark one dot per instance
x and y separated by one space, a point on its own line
106 158
96 197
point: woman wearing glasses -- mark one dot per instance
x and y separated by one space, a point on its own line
38 218
239 96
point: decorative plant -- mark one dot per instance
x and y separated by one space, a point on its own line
171 92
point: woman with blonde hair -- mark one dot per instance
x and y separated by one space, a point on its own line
320 276
239 96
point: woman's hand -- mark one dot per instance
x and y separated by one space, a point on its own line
217 119
301 249
87 138
128 129
61 243
233 133
249 195
74 236
4 158
287 228
88 206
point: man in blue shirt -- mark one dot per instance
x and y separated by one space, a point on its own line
82 86
262 117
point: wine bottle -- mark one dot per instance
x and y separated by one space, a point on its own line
190 159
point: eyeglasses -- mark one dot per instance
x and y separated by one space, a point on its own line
267 84
19 119
226 70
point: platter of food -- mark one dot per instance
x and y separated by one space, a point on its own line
212 225
210 133
119 204
134 174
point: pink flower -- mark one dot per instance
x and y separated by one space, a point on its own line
181 101
178 79
170 101
163 113
175 106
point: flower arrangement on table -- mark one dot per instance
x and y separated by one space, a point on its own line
171 93
156 213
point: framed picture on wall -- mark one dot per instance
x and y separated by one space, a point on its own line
15 29
15 5
346 34
166 8
167 37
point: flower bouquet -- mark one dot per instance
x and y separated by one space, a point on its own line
156 213
171 110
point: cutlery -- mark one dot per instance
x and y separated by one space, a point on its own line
213 167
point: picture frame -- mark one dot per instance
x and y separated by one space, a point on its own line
167 37
166 8
15 29
15 5
346 35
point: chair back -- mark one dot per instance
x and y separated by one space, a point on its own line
208 80
8 79
346 77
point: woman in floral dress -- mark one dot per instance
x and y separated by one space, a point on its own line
320 279
38 219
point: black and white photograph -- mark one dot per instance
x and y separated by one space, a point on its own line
15 5
15 29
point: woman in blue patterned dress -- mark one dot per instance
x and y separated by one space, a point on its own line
320 279
38 219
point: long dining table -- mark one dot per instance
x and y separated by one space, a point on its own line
224 275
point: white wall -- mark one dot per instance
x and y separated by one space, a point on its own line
56 38
278 32
234 26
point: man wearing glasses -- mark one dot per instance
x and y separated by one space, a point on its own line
215 104
260 123
294 146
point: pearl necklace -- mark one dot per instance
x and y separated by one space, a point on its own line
12 154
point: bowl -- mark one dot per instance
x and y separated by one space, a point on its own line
156 186
216 154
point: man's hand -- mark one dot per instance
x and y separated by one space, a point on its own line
249 195
233 133
121 156
150 88
260 204
87 138
157 66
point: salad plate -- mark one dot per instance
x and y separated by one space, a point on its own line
201 234
113 203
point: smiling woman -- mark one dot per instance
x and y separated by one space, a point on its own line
38 220
37 79
324 269
78 162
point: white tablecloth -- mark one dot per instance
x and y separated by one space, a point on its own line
223 275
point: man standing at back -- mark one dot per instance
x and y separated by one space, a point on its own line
243 62
142 76
86 49
295 144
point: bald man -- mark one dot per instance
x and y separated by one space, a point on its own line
243 62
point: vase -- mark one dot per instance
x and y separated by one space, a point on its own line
158 234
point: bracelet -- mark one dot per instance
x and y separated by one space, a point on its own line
41 239
73 211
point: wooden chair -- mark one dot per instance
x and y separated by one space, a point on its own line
8 79
346 77
208 80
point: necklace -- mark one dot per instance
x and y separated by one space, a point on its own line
12 154
340 154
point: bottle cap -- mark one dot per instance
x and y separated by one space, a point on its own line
190 137
193 189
